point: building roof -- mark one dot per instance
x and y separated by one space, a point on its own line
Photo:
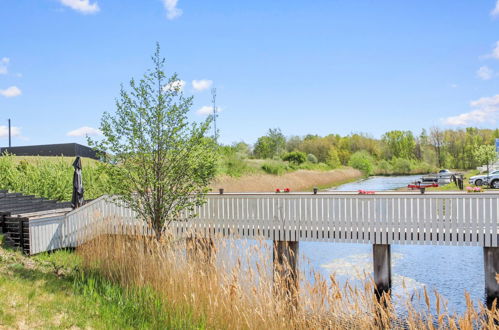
61 149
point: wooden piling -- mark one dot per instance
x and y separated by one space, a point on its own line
491 265
382 262
285 258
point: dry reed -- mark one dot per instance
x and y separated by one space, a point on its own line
230 284
297 181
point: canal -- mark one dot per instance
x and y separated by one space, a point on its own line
451 270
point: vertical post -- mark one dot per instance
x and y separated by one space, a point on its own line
491 264
382 268
21 234
286 269
10 140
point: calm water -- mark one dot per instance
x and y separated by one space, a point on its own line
448 269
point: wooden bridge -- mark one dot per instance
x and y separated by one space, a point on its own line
380 219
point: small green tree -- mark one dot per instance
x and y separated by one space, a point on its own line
333 160
485 154
163 163
312 159
295 157
363 161
270 145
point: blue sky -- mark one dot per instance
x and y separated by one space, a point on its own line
316 67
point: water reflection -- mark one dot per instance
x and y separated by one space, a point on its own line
451 270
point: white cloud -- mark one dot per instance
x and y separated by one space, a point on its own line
495 11
11 91
177 85
486 110
495 52
83 6
454 85
14 130
171 9
485 73
84 131
201 85
207 110
4 61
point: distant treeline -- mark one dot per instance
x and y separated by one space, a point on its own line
396 152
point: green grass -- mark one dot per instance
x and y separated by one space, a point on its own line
50 291
452 187
52 177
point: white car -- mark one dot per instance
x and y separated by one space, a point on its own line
492 180
479 180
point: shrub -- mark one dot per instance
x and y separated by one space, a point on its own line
311 158
363 161
295 157
384 167
52 177
275 168
401 166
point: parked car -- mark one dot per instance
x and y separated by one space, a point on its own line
479 180
492 180
442 177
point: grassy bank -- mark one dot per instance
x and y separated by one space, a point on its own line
301 180
51 291
123 283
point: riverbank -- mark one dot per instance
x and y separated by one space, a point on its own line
301 180
49 291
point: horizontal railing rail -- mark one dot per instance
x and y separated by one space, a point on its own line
381 218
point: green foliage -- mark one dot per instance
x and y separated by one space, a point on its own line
52 177
317 146
485 154
384 167
275 167
165 163
131 307
333 160
232 161
401 166
399 144
295 157
363 161
311 158
271 145
50 291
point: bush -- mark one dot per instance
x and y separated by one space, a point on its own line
275 168
401 166
423 168
311 158
232 162
384 167
295 157
363 161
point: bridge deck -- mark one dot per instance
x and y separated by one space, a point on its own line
381 218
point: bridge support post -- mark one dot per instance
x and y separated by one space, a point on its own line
382 262
285 259
491 264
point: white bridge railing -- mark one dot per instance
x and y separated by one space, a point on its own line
381 218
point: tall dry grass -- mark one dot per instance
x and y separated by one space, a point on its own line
230 284
297 181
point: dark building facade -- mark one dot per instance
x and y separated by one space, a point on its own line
63 149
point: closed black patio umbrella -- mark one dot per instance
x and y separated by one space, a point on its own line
78 190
